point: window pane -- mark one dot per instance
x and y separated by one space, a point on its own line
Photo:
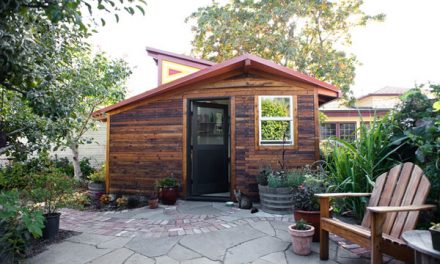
277 131
328 130
347 131
275 107
210 126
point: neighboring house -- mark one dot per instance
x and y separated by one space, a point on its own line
209 129
95 150
342 121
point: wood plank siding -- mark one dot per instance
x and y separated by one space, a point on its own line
147 140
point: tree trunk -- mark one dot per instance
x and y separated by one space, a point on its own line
76 166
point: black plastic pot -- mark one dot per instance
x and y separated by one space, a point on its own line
51 225
435 235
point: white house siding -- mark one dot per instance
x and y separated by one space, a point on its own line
95 151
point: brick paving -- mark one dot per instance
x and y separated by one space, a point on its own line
178 224
106 223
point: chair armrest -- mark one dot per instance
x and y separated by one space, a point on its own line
406 208
341 195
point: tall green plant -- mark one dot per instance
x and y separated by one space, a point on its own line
353 166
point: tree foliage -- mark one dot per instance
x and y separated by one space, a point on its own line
39 39
91 82
305 35
419 122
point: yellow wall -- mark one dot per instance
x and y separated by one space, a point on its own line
183 71
353 119
378 101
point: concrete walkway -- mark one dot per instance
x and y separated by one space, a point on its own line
191 232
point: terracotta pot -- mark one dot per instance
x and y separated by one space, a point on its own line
169 195
301 240
312 218
153 203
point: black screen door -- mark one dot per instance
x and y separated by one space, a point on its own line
209 132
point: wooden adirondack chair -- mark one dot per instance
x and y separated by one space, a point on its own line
394 206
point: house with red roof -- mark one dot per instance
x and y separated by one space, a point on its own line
213 126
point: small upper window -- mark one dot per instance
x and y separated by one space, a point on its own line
276 120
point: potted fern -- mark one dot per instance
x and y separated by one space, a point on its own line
301 234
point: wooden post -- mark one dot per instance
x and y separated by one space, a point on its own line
377 221
324 204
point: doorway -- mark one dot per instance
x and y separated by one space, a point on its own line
208 152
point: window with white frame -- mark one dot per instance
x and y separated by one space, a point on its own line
275 120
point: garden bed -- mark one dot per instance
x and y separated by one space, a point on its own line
39 245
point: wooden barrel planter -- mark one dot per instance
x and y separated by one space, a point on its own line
276 200
95 191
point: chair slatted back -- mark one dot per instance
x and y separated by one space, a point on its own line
404 184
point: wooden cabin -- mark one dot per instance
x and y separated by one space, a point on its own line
212 127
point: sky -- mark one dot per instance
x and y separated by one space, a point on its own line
402 51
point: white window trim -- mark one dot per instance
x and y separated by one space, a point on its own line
261 119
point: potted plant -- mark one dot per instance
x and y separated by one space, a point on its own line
96 184
301 234
276 189
168 188
51 190
153 202
306 205
435 235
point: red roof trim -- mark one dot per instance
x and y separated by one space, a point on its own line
217 69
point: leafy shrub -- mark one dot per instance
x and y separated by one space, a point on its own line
98 176
419 125
86 168
277 179
353 166
304 196
263 175
296 177
76 200
15 176
50 189
64 165
168 182
18 224
280 179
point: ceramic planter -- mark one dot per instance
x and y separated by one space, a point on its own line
51 225
276 200
435 235
153 203
311 217
169 195
301 240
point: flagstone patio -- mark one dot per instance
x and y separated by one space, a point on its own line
190 232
